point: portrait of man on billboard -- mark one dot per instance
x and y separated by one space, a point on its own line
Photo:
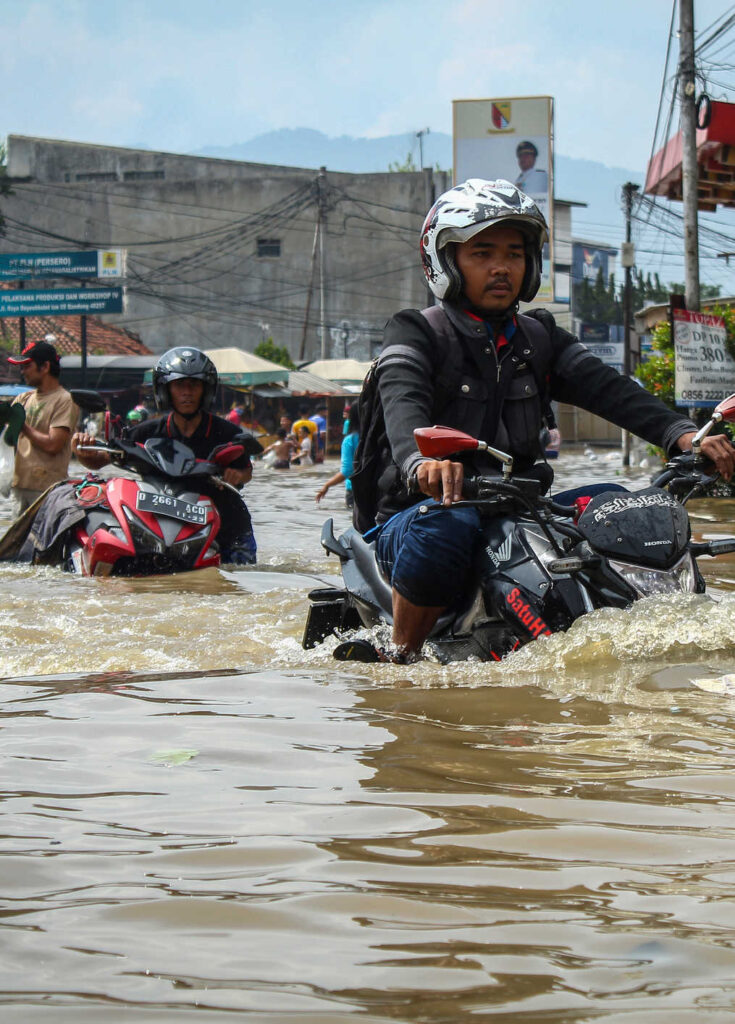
532 180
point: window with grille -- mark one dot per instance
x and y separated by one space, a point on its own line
269 247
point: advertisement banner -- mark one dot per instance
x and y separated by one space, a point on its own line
704 371
510 138
24 266
602 341
588 261
67 301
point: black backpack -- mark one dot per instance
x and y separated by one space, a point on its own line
373 448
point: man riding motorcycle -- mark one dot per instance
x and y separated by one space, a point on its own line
184 386
481 250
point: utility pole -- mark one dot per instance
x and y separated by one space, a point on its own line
322 200
627 259
314 249
420 136
689 170
429 197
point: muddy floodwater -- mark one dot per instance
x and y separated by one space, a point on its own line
203 822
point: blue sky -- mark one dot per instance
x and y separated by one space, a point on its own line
182 75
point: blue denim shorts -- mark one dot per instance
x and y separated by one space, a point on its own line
428 551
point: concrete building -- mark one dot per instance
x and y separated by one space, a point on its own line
222 252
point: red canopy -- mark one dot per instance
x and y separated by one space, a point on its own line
715 157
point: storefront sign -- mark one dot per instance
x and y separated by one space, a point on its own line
24 266
67 301
601 341
704 369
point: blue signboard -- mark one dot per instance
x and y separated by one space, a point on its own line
605 341
65 301
588 261
24 266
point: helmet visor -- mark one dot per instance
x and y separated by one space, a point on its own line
532 232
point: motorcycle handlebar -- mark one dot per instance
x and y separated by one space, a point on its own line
479 489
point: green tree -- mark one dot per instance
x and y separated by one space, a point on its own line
407 166
657 373
706 291
275 353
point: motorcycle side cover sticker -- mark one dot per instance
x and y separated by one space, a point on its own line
514 606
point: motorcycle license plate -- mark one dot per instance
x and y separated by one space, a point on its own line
175 508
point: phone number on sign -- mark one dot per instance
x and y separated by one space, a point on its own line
701 396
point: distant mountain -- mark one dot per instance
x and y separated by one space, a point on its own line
585 181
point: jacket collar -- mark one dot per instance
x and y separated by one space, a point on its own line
466 323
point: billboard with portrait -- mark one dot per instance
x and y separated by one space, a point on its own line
510 138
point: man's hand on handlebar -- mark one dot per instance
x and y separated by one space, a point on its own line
717 448
237 477
92 460
440 479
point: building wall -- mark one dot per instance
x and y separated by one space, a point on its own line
194 228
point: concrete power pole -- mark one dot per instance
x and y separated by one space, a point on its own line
628 262
322 188
690 173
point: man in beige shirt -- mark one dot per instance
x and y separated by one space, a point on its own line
44 445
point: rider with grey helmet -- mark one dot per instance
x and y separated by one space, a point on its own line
184 387
477 364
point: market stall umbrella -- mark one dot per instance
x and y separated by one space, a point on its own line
343 371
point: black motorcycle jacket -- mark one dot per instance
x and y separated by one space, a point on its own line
498 397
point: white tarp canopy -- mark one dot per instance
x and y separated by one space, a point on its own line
343 371
236 367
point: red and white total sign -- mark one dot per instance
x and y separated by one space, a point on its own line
704 369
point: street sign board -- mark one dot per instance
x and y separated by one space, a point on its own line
66 301
602 341
24 266
704 370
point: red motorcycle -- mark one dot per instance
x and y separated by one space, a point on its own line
174 515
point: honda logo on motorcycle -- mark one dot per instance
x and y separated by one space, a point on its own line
525 614
503 552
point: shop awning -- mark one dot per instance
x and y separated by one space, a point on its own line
343 371
302 383
107 373
715 159
238 368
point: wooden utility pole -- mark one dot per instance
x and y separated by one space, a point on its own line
690 173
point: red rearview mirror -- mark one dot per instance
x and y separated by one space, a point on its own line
438 442
726 408
227 453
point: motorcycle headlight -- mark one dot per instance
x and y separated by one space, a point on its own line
144 539
681 578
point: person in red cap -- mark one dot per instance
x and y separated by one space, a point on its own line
43 447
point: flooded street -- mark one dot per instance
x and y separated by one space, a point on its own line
202 821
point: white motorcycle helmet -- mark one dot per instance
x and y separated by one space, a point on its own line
463 212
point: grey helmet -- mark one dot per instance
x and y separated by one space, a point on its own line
183 362
463 212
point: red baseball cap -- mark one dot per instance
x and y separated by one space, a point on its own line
38 352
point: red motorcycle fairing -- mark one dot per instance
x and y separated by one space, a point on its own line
156 534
